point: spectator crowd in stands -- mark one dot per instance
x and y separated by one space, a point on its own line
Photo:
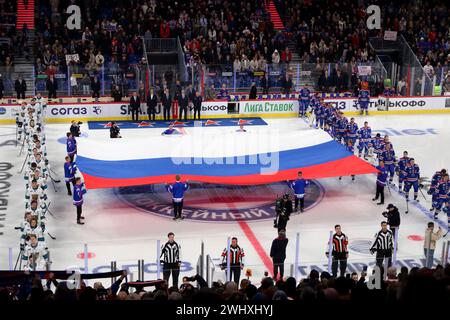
414 285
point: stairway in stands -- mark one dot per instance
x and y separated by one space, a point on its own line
274 16
25 14
24 61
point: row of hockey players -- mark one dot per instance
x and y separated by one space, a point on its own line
30 131
308 99
378 150
72 178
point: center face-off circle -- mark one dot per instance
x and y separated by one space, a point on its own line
216 203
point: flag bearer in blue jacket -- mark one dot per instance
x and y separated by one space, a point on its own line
299 186
71 146
177 190
69 174
78 191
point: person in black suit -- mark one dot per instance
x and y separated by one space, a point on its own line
253 91
183 102
135 105
265 84
52 86
166 101
287 84
197 104
21 87
152 102
95 87
2 87
116 94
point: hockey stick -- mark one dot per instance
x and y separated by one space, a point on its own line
56 174
423 195
23 165
53 179
18 257
53 183
21 149
407 206
50 235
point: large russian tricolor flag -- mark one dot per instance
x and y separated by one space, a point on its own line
240 158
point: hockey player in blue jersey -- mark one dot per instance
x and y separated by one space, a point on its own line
388 92
434 182
177 190
78 191
351 132
412 179
388 157
402 164
386 142
69 174
341 127
381 183
305 98
350 149
299 186
442 194
71 146
365 137
377 144
364 100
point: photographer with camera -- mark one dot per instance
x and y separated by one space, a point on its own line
393 218
114 131
283 209
75 128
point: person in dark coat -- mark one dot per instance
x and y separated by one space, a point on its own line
253 91
52 86
2 87
287 84
152 102
265 84
197 104
393 218
114 131
183 105
278 253
95 87
135 105
21 87
116 94
166 101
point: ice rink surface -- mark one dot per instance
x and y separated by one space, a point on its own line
124 224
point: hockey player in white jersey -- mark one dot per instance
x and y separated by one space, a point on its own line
38 213
35 256
35 192
33 228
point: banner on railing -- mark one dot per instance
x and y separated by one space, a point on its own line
269 107
364 70
390 35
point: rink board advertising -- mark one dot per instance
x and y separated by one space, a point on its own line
64 112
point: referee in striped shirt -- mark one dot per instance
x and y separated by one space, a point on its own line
171 259
383 246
